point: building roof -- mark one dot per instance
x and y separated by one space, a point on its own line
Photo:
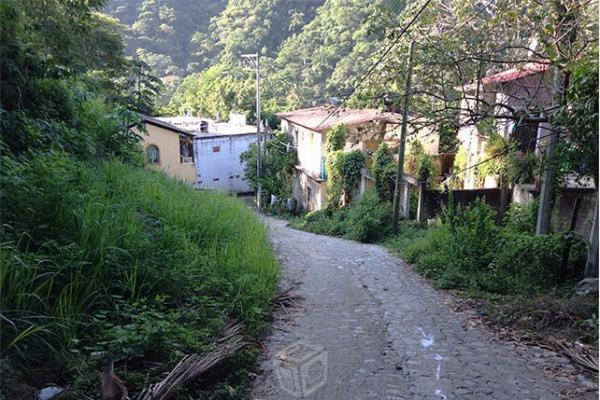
214 129
516 73
322 118
163 124
510 75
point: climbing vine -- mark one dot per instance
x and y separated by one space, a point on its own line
343 168
383 169
420 164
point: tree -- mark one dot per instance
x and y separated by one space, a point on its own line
278 162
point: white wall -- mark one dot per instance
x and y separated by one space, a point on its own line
222 169
309 145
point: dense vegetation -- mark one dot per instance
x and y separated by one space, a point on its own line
101 258
523 279
312 50
277 165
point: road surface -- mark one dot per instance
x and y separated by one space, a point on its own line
370 328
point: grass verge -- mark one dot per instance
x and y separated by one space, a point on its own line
113 259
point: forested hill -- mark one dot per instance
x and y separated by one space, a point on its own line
179 37
312 49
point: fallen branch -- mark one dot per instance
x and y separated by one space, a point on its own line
286 298
192 366
580 355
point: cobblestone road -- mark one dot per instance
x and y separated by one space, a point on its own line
386 332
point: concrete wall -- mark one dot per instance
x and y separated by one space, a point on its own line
563 210
167 142
310 146
563 207
435 201
310 194
218 164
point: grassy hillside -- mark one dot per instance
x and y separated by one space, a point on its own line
115 260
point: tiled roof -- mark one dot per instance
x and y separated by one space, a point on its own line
515 73
509 75
323 118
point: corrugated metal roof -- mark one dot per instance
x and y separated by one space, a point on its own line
157 122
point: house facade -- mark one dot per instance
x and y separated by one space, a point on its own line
525 88
308 129
168 148
217 150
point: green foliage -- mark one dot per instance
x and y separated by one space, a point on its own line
521 218
365 220
217 91
333 166
368 219
383 169
468 251
98 255
218 31
278 162
335 48
578 152
343 168
336 138
107 258
420 164
351 165
458 168
523 168
152 27
496 151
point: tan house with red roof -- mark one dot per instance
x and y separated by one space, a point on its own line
527 88
309 127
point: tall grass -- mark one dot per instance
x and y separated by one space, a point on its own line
88 252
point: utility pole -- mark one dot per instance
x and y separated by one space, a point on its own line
543 218
256 58
400 170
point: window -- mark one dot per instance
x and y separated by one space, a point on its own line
216 149
152 154
525 136
186 150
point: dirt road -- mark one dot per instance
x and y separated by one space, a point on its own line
370 328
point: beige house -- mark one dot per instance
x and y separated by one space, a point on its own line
308 129
168 148
525 88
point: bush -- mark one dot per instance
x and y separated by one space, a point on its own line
468 251
383 169
368 220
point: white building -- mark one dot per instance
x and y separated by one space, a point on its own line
217 150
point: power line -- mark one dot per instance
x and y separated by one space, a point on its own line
372 68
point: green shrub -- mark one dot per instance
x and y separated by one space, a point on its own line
368 219
521 218
473 233
383 169
468 251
